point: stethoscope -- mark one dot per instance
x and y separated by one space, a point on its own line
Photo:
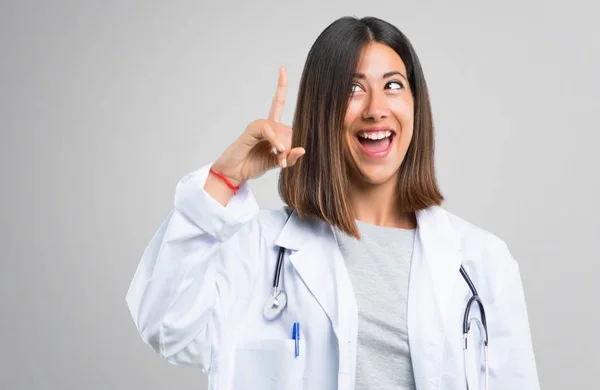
481 324
278 301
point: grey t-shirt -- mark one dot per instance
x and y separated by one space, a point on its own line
379 266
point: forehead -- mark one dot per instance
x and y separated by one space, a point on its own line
377 59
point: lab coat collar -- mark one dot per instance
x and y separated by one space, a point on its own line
432 222
298 231
438 240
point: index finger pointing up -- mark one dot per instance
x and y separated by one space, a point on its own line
279 98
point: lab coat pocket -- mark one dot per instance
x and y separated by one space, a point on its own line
269 364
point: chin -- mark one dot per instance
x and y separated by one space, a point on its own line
377 175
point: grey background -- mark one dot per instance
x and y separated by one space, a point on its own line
105 105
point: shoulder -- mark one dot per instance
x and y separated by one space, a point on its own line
486 256
268 223
271 220
476 238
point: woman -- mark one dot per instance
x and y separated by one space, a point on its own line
371 262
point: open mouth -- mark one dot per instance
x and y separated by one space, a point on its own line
376 143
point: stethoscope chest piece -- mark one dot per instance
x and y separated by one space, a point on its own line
275 305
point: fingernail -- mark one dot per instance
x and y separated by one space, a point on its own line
281 147
284 163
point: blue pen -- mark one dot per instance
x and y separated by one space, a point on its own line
296 337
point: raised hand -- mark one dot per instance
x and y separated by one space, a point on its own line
264 145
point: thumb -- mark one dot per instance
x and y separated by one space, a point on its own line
294 155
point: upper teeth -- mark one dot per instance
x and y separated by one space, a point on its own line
375 134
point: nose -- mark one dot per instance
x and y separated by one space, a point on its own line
376 108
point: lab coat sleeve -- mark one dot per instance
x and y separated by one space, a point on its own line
195 266
512 361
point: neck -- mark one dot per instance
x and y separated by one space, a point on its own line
378 205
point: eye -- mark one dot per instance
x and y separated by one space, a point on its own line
395 85
355 88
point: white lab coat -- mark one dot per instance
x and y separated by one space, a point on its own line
198 294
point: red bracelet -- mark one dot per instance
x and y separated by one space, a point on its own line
229 184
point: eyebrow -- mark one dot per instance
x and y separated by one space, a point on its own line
385 75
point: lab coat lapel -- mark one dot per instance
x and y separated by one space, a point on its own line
319 263
434 274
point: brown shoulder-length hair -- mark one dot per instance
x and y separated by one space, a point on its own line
317 185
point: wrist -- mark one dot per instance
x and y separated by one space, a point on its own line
223 174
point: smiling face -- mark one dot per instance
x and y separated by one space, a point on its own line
378 125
